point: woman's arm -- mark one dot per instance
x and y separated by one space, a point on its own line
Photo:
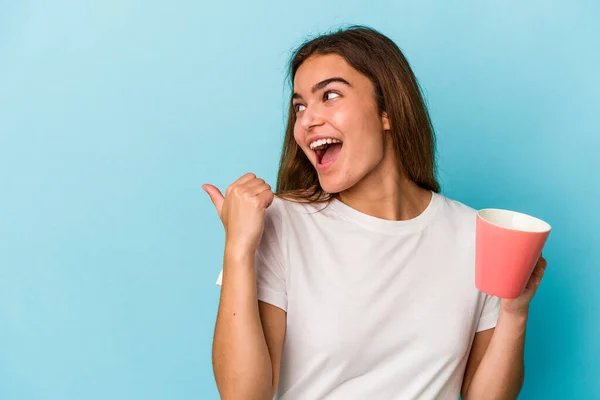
248 336
500 372
248 340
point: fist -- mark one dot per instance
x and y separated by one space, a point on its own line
242 210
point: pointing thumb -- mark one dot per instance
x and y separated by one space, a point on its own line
215 195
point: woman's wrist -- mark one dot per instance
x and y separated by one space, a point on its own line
518 320
239 253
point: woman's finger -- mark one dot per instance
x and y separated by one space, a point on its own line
267 196
251 185
258 189
241 181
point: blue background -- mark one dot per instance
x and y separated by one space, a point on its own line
113 113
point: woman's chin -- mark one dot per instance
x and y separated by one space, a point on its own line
332 186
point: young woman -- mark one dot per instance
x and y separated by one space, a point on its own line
357 280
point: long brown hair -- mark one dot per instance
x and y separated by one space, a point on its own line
397 93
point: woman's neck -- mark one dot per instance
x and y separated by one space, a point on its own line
397 202
387 193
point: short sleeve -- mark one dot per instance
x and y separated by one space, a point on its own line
489 313
268 260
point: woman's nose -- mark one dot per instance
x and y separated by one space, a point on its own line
310 118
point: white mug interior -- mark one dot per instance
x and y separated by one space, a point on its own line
514 220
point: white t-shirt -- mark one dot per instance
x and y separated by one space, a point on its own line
376 309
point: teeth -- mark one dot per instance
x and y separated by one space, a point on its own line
321 142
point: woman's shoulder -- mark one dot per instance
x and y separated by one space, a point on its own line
290 206
457 212
457 207
283 201
286 211
457 222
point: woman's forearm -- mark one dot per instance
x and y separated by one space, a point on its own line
241 361
501 372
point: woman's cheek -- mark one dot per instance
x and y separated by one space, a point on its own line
298 137
338 118
296 131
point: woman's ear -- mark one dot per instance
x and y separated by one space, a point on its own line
385 121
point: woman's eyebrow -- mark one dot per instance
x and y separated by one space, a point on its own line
322 84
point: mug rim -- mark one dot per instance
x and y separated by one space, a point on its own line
547 226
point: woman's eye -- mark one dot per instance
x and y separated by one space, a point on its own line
298 107
328 94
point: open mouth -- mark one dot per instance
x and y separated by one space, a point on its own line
326 151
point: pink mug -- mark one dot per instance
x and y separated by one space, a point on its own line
507 247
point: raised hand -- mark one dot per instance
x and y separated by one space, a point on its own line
242 210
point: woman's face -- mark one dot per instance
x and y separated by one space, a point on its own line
337 122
